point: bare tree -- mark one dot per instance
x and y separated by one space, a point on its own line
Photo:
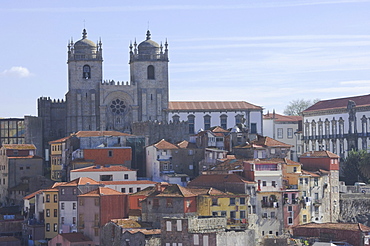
295 107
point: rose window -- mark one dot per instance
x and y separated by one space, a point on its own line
117 106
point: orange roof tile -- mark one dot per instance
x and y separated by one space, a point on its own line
61 140
323 153
211 106
186 144
33 194
363 100
337 226
19 146
113 168
270 142
175 190
102 191
80 181
219 129
283 118
75 237
25 157
163 144
145 231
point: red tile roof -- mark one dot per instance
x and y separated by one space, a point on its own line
102 191
61 140
337 103
82 134
175 190
323 153
75 237
163 144
19 146
337 226
186 145
283 118
32 195
80 181
211 106
270 142
219 129
113 168
25 157
312 174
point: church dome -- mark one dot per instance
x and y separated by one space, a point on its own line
84 45
148 46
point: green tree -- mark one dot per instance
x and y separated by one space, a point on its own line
295 107
357 167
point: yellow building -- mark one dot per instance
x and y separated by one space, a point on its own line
232 206
51 212
291 173
56 159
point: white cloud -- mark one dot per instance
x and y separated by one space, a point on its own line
18 72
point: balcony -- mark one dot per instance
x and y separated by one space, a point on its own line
267 204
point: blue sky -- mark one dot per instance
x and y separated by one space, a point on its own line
265 52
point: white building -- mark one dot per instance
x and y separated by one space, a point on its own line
286 129
337 125
226 114
105 173
128 186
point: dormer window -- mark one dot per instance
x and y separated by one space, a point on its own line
86 72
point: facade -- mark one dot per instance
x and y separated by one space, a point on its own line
12 131
98 207
286 129
337 125
105 173
51 212
17 163
71 239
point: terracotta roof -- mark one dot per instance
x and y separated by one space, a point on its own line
228 164
272 160
175 190
211 105
323 153
269 142
283 118
312 174
80 181
163 144
128 182
75 237
82 134
128 223
61 140
113 168
25 157
145 192
102 191
337 103
19 146
218 129
186 145
56 184
32 195
337 226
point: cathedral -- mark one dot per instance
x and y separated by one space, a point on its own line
94 104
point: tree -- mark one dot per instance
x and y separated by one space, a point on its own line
295 107
357 167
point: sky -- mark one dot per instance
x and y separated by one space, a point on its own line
265 52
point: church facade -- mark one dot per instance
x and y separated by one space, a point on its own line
94 104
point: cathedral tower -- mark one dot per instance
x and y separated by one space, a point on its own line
149 73
84 78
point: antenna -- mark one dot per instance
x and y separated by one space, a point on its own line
84 23
148 25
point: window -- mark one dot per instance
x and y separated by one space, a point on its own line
232 214
290 208
55 227
106 177
138 189
242 214
272 215
47 227
62 191
74 219
304 218
316 182
110 153
280 133
205 240
81 201
130 190
74 206
86 72
253 128
214 201
169 203
294 169
223 121
239 119
290 220
151 74
62 220
48 198
232 201
123 190
179 225
47 212
207 122
290 133
214 213
273 183
74 191
55 198
264 183
223 213
196 239
55 212
168 226
242 200
62 206
191 120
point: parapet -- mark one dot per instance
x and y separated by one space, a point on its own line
117 83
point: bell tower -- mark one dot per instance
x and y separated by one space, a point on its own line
149 73
85 71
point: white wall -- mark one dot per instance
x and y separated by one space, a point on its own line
117 175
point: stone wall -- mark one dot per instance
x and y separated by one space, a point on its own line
355 208
246 237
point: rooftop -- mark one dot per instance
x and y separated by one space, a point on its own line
102 191
211 105
19 146
75 237
282 118
80 181
323 153
337 226
107 168
338 103
163 144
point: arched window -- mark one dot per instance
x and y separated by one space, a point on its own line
207 122
86 72
151 72
176 118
